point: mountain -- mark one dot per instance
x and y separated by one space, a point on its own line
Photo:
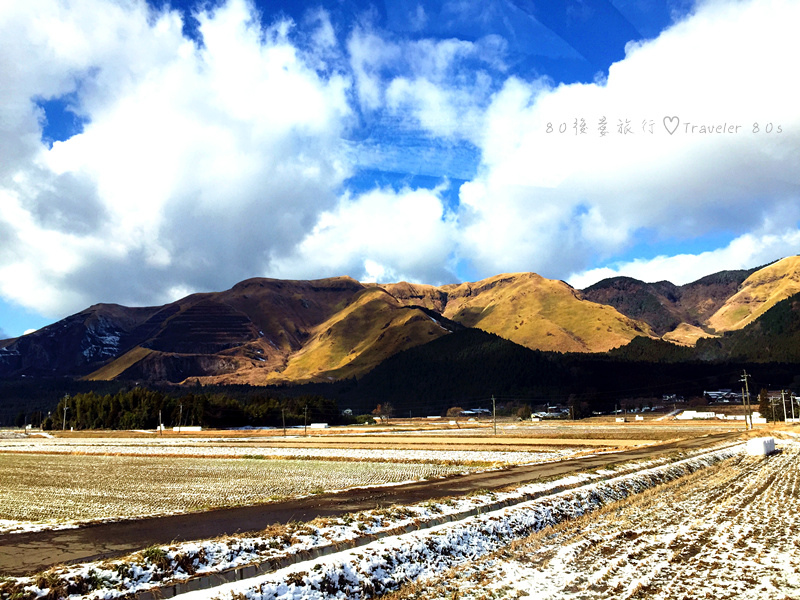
73 344
269 331
705 308
762 290
774 336
657 304
265 331
541 314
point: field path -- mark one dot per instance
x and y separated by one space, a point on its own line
25 553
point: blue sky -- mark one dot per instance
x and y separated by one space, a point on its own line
151 150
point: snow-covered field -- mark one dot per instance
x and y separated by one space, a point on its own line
41 491
215 448
379 566
729 531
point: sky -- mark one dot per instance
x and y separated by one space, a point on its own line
149 150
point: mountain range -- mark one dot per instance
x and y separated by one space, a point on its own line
268 331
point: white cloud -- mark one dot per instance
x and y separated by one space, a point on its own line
381 235
203 164
196 165
745 252
563 202
432 84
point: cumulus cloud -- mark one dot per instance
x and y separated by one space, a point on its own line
382 236
195 160
567 201
202 163
745 252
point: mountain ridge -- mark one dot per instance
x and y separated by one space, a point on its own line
271 331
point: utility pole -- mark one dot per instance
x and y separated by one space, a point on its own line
66 408
748 416
180 417
772 402
283 420
783 397
494 414
744 404
791 402
160 423
305 419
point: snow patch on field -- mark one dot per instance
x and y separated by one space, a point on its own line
727 534
387 563
197 448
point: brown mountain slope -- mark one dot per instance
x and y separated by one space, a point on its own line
757 294
678 314
540 313
75 345
666 306
374 326
270 331
658 304
251 329
267 331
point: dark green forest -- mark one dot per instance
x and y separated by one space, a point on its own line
141 408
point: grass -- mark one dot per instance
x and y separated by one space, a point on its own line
758 293
358 337
115 368
544 314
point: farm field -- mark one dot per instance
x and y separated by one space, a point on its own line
497 454
727 531
49 490
70 479
442 535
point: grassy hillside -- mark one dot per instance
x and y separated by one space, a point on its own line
655 304
120 365
772 337
676 313
758 293
371 328
541 314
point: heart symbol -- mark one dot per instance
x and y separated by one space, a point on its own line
671 124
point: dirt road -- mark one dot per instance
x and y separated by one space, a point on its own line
25 553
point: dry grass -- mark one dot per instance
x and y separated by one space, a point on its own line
757 294
541 314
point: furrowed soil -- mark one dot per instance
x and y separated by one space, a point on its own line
725 532
23 553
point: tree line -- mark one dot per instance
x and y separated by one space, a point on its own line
143 408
